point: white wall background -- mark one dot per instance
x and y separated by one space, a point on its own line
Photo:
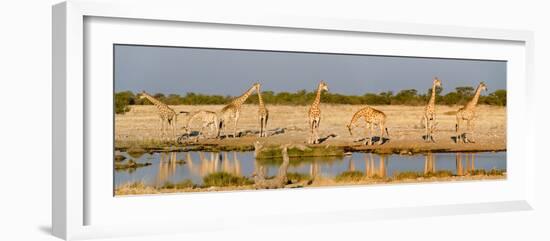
25 118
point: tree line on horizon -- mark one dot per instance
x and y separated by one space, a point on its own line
411 97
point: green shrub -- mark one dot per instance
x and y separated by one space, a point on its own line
478 172
187 183
168 185
349 176
460 96
224 179
440 173
122 100
407 175
297 177
496 172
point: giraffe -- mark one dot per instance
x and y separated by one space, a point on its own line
372 117
233 110
208 119
167 115
468 114
263 115
429 112
315 114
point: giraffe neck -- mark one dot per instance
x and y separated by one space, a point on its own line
155 102
432 99
317 100
260 99
355 118
473 102
241 99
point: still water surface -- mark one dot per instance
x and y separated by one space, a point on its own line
166 168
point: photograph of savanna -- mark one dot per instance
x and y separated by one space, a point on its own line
205 119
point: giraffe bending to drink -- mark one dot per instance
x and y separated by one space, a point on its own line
232 111
315 114
468 113
207 119
372 117
429 112
263 115
168 117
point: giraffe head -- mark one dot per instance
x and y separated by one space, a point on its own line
142 94
323 85
257 86
483 86
437 82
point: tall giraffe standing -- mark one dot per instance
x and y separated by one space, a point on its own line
263 114
468 114
372 117
429 112
233 110
315 114
167 115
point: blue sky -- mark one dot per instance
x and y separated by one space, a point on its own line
176 70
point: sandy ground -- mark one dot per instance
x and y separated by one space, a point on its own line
141 125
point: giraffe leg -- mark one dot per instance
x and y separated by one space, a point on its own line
261 126
317 128
432 129
235 124
367 134
316 140
175 128
458 135
314 132
224 128
265 124
264 129
161 124
426 126
311 127
382 129
310 131
381 140
471 130
219 129
163 129
371 130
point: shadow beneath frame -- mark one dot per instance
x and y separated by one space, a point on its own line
46 229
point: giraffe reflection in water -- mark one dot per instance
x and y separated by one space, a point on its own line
371 169
176 167
429 163
213 162
469 162
167 167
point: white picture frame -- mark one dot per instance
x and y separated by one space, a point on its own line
72 190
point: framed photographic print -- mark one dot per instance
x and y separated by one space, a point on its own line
180 115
